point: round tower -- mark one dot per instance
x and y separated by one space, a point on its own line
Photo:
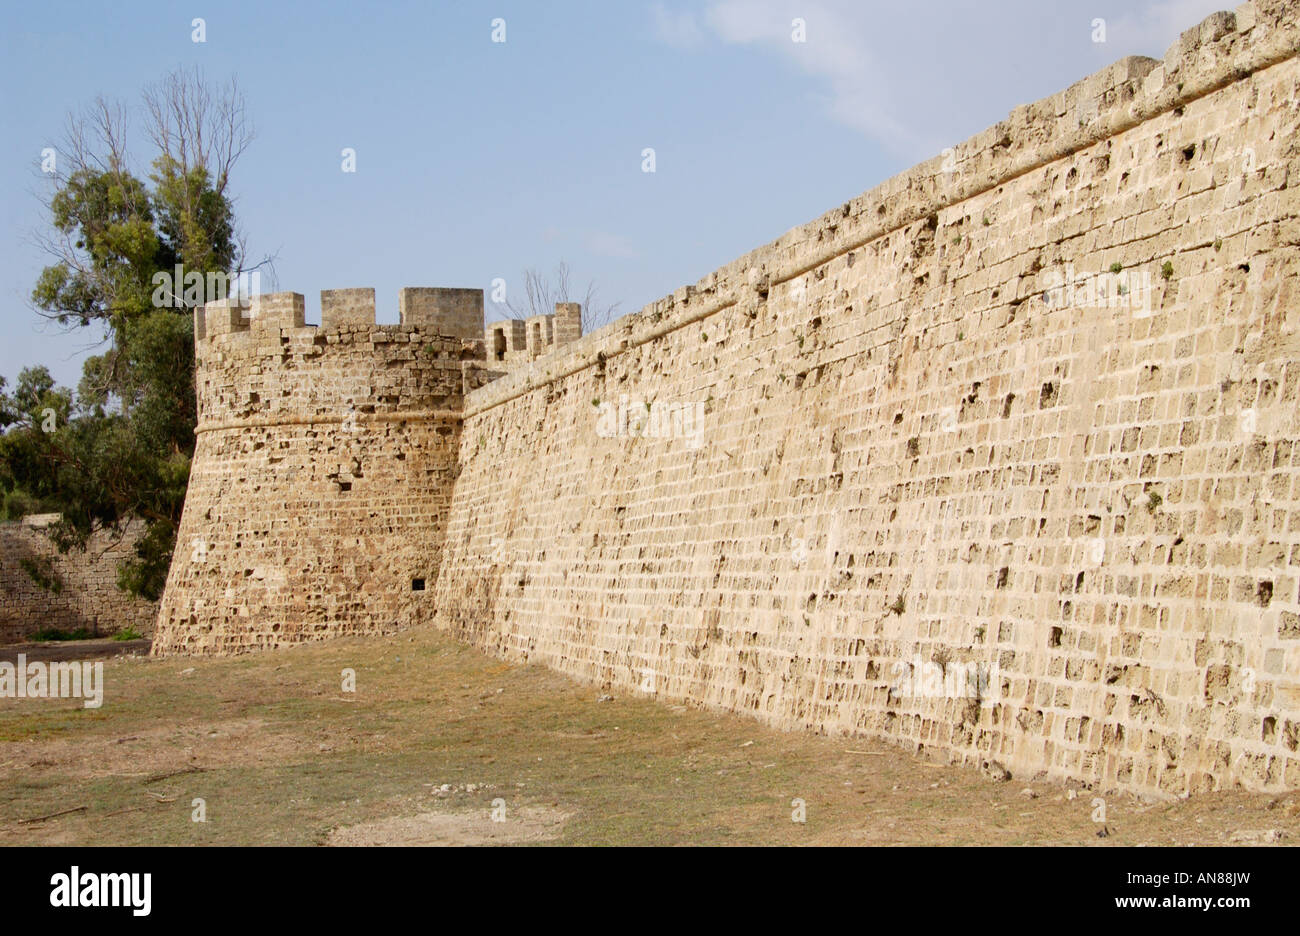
323 468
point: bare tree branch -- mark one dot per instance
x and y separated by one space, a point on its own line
542 293
189 125
193 126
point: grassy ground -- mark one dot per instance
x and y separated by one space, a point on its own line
436 736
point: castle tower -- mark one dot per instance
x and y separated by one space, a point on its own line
323 467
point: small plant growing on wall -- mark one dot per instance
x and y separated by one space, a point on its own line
1166 270
899 605
41 571
1154 501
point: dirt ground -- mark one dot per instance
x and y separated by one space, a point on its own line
58 651
439 744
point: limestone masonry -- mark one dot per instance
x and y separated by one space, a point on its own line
76 590
999 459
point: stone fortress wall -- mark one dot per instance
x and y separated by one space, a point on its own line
918 446
997 459
80 588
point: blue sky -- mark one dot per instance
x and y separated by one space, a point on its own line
478 159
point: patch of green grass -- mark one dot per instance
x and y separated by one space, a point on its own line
54 633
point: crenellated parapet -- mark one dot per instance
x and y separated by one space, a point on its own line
261 360
430 311
516 341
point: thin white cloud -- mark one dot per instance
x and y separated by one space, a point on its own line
836 47
678 28
605 244
920 76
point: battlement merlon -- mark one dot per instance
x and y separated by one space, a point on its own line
504 340
567 323
269 313
264 314
452 313
220 317
340 308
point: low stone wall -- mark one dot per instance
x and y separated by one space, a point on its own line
83 590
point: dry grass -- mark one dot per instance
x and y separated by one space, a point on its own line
282 756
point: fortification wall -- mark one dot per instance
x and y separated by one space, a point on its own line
323 468
82 590
893 441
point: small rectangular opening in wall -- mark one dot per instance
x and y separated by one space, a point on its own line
345 485
417 584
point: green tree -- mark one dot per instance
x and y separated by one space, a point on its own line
120 448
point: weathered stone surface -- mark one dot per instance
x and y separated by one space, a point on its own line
930 429
322 474
82 587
